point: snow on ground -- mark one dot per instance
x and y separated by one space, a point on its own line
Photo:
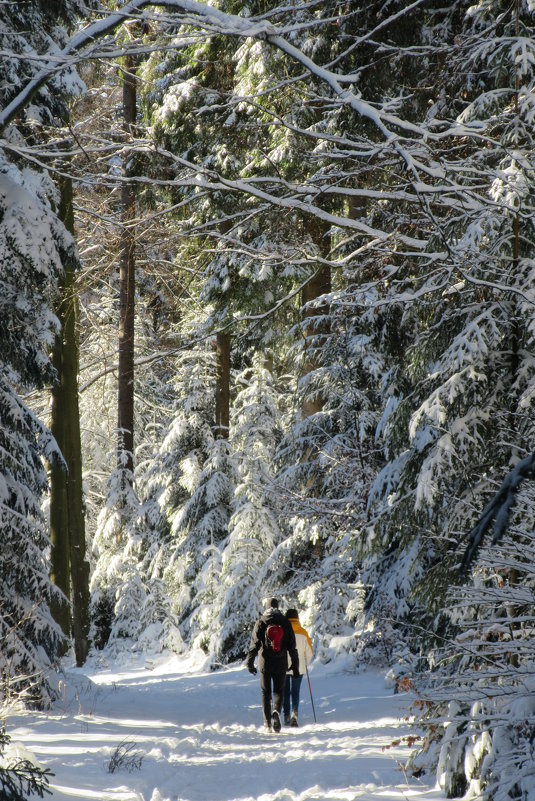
199 737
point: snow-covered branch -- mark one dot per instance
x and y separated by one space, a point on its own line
195 13
497 512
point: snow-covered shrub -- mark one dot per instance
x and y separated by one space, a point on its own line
102 606
130 599
158 623
116 547
20 774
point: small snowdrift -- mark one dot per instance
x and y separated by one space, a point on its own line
173 730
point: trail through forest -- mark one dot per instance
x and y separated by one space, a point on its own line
186 733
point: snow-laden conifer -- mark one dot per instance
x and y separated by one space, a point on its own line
117 551
456 408
187 492
201 529
327 459
253 527
477 701
32 245
158 622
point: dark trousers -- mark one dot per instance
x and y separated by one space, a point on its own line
267 679
291 693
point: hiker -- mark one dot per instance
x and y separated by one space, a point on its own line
293 681
273 640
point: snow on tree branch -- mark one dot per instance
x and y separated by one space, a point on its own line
216 21
497 511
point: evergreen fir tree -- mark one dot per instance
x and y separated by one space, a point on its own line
187 496
117 547
455 401
477 420
130 598
477 700
32 243
202 531
253 526
159 624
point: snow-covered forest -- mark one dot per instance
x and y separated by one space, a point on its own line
268 328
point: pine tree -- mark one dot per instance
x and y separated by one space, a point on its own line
201 527
35 250
130 597
457 390
253 527
117 547
159 624
479 420
187 494
30 266
477 701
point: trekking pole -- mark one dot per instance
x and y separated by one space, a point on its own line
310 691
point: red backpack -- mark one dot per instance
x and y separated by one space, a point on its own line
274 637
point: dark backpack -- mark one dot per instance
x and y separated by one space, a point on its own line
274 637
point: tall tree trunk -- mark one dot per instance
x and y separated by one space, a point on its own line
512 610
127 279
516 329
222 373
67 523
59 520
73 451
222 394
315 330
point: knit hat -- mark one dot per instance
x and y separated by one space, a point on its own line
271 603
292 613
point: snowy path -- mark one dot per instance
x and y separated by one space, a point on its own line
200 737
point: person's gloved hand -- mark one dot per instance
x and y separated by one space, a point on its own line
252 670
295 672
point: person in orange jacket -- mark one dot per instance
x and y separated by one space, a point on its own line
293 683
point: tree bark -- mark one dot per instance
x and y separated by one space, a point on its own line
59 520
222 394
73 452
67 523
315 331
127 280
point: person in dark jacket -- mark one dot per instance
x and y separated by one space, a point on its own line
273 659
